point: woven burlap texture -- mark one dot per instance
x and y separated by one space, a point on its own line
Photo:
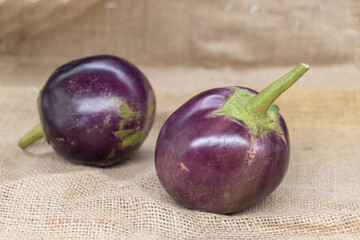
184 47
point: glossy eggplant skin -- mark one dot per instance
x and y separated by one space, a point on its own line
214 163
96 110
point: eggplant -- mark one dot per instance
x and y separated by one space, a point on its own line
226 148
95 111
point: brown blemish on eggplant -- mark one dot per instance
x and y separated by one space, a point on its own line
107 120
93 129
183 167
251 153
252 178
203 189
226 195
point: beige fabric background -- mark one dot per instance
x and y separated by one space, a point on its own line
184 47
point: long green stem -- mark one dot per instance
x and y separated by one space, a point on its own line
262 101
34 134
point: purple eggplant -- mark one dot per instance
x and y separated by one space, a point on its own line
96 110
226 148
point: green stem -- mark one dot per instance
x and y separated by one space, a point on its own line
262 101
34 134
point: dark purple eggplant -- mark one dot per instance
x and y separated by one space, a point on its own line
226 148
96 110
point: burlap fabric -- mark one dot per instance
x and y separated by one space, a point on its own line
184 47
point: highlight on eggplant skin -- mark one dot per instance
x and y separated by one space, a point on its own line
96 110
226 148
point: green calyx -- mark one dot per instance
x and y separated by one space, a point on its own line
237 107
257 111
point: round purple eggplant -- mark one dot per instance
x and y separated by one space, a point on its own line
226 148
96 110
